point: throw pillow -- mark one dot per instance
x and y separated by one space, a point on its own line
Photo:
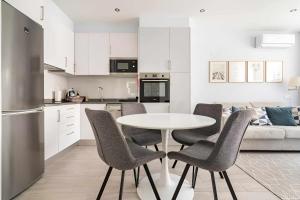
227 111
260 117
296 114
281 116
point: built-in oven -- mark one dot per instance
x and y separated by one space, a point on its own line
154 87
123 65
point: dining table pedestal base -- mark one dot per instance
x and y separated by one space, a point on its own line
166 192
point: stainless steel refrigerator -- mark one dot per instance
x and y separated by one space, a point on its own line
22 102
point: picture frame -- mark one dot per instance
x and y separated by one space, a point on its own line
237 71
255 71
218 71
274 71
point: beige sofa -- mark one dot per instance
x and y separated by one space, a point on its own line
271 138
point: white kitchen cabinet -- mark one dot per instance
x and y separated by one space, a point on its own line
157 107
164 49
62 128
86 132
99 54
69 125
81 53
51 131
180 92
58 38
123 45
31 8
92 53
180 49
154 49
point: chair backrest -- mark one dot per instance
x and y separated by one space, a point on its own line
210 110
131 109
111 145
228 144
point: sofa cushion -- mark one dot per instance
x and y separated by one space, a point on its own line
260 118
264 132
291 132
296 114
281 116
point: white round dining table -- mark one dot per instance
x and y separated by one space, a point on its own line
166 122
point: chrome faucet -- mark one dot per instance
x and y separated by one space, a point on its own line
100 91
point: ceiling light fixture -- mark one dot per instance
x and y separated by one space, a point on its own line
202 10
117 10
294 10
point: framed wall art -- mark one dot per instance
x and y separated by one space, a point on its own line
274 71
218 71
256 71
237 71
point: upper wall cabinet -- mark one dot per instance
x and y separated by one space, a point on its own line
58 38
154 49
93 50
164 49
123 45
32 8
92 53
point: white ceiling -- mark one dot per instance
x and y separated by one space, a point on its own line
271 12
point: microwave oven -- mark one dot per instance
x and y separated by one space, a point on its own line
123 66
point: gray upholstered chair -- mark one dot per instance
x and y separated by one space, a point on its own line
190 137
118 152
142 137
215 157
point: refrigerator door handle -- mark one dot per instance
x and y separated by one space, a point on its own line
22 112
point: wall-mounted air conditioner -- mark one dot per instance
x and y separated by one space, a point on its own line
275 41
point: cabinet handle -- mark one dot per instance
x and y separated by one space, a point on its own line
70 133
70 117
169 64
58 115
70 125
42 13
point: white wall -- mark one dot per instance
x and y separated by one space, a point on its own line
113 87
218 40
53 82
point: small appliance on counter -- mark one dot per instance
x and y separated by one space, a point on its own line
154 87
58 96
123 66
73 96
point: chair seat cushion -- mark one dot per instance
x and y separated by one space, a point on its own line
143 155
147 137
195 155
189 137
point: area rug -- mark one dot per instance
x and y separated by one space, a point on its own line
278 172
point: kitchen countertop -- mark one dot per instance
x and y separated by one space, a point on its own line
50 102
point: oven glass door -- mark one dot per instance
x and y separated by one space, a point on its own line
155 91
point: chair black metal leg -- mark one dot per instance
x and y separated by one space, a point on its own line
135 178
151 182
104 183
221 175
156 148
175 162
121 185
229 185
185 171
195 178
214 185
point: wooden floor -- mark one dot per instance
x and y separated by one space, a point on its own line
77 174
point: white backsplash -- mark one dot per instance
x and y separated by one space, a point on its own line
54 82
113 87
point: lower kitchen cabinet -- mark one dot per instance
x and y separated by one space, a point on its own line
62 128
157 107
86 132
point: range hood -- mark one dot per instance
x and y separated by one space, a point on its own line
52 68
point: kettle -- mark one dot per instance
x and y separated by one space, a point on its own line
70 93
